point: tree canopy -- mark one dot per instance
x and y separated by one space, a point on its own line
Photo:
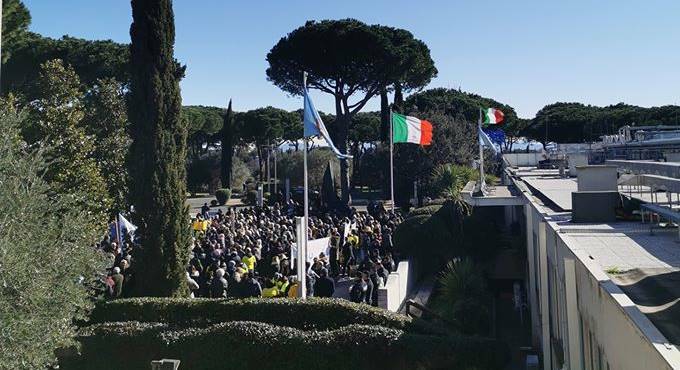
15 22
362 61
90 59
577 122
268 125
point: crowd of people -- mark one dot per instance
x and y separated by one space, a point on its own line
246 252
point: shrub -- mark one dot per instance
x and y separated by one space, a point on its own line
223 196
427 210
36 318
132 345
251 197
313 313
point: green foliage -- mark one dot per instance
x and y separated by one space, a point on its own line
91 60
15 22
251 197
284 348
202 174
203 123
223 195
240 173
106 122
58 126
458 103
363 61
267 126
157 162
314 313
427 210
291 166
227 140
45 249
323 333
449 179
576 122
461 290
454 142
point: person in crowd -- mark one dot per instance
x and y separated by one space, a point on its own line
324 286
117 279
193 286
204 210
270 290
236 252
219 285
249 260
252 287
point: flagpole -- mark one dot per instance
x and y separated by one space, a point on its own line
391 161
118 236
482 184
306 196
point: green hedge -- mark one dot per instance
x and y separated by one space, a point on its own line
223 195
251 197
251 345
313 313
427 210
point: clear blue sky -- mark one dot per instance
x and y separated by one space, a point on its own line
523 53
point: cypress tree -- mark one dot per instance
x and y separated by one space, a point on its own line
227 147
158 152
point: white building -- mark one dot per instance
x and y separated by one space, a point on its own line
602 294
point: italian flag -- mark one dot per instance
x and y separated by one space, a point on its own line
407 129
492 116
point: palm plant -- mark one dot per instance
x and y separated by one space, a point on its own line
459 281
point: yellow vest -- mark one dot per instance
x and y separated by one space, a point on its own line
249 261
270 292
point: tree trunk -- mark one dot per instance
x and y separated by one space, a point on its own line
384 116
227 148
158 153
398 98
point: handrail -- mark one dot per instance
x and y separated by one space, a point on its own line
412 303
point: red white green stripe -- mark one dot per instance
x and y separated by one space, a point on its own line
407 129
492 116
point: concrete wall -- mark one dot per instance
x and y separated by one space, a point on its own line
578 313
597 178
523 159
399 284
576 160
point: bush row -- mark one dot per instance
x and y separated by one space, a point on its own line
247 345
313 313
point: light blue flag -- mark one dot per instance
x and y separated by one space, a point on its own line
314 126
484 140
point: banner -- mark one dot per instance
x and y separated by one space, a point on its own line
316 247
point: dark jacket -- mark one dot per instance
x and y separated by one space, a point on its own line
252 288
218 287
324 287
117 285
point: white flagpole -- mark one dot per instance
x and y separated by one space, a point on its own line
391 161
306 196
482 184
118 236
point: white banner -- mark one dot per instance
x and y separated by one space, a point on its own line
316 247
